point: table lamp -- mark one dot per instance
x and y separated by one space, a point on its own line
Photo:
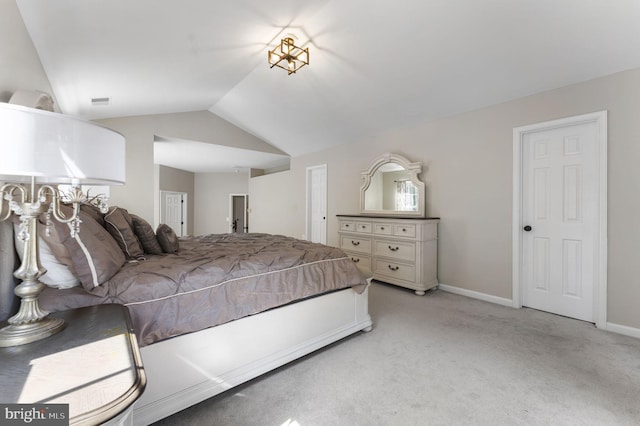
38 150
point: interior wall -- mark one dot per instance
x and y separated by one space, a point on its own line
212 200
468 174
177 180
277 203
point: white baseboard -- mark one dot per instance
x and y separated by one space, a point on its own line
623 329
614 328
476 295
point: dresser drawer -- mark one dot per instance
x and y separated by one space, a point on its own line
362 262
383 228
347 225
364 227
354 243
402 230
395 249
399 271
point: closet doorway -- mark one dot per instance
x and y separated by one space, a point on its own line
238 213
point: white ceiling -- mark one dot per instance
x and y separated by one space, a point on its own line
375 65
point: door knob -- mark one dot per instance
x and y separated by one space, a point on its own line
527 228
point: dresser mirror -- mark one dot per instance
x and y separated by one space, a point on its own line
391 187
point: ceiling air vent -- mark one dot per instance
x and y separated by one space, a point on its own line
100 101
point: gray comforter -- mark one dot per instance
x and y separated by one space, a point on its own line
214 279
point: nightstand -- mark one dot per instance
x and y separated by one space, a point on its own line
94 365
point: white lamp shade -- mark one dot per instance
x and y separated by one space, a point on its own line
56 148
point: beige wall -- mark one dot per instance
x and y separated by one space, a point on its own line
468 174
277 203
212 200
177 180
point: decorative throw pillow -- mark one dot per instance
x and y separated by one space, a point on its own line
119 224
95 254
167 238
94 212
55 243
145 235
58 275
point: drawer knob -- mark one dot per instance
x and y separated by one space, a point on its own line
404 229
355 243
393 268
394 248
364 226
346 225
382 228
355 260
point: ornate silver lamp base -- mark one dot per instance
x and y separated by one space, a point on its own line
15 335
30 323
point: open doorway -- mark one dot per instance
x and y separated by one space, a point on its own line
238 217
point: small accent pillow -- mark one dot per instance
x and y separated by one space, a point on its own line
167 238
119 224
145 235
58 275
95 254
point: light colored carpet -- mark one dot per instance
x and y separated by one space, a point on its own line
444 359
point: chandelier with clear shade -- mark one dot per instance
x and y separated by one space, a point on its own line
39 150
288 56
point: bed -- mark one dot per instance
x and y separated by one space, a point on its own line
210 312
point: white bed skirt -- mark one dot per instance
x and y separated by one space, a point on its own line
188 369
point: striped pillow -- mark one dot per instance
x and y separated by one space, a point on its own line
95 254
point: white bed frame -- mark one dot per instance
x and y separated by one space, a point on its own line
188 369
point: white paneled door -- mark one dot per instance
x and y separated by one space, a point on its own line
317 204
173 210
560 219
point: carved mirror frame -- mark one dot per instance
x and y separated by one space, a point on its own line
413 170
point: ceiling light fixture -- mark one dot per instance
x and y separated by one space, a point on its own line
288 56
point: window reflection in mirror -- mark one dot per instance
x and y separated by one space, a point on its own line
391 189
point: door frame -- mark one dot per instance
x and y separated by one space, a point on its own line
184 210
246 212
309 212
600 241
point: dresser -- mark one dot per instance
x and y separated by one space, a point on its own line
400 251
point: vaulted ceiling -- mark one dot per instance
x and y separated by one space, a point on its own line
374 64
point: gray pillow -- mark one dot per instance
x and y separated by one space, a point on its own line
94 212
167 238
145 235
119 224
58 274
95 254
